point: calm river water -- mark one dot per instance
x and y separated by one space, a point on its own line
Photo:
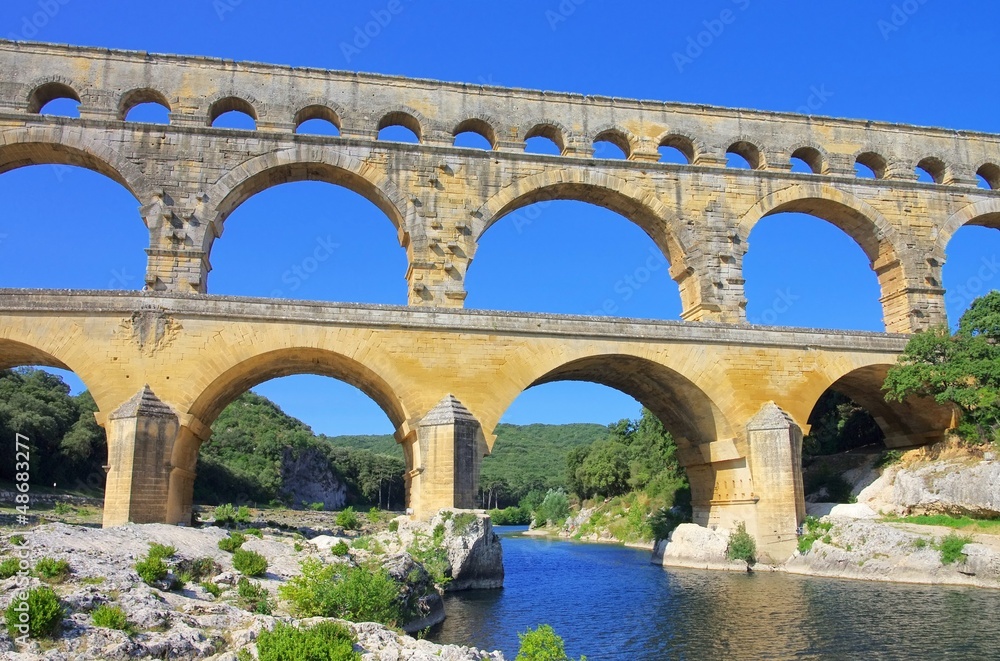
608 602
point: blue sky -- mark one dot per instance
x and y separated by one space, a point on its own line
918 61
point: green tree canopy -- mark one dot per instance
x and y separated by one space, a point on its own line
962 369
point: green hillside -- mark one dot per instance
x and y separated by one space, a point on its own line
525 457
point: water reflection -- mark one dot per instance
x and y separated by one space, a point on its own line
607 602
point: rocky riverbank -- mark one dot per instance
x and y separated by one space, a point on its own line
871 539
209 619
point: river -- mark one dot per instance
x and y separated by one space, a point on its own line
609 602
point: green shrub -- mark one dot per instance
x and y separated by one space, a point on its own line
17 539
52 570
359 594
348 519
211 588
253 597
110 617
233 542
510 516
9 567
542 644
224 514
812 530
61 508
554 508
741 545
663 521
161 551
198 569
326 641
951 548
393 526
249 563
888 458
920 543
432 555
242 514
151 569
255 532
463 521
42 618
340 548
298 546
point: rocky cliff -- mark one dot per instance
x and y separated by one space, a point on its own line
309 478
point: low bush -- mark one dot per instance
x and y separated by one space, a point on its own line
812 530
211 588
393 526
52 570
233 542
249 563
888 458
326 641
255 532
198 569
359 594
161 551
340 548
463 521
242 514
432 555
9 567
110 617
224 514
741 545
151 568
542 644
663 521
348 519
952 548
316 507
62 509
253 597
41 618
17 539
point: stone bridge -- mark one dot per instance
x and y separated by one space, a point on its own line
162 366
443 375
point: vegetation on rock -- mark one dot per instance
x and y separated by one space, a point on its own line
542 644
962 369
326 641
43 613
742 545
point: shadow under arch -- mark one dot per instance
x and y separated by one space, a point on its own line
864 224
292 165
913 422
67 146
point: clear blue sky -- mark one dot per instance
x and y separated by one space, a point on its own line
918 61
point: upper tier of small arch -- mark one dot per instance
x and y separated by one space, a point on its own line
196 90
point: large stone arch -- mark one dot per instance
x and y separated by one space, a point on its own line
637 204
308 163
238 378
912 422
873 233
67 145
985 213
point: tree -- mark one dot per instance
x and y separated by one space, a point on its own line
961 369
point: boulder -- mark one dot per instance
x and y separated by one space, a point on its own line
474 550
696 547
